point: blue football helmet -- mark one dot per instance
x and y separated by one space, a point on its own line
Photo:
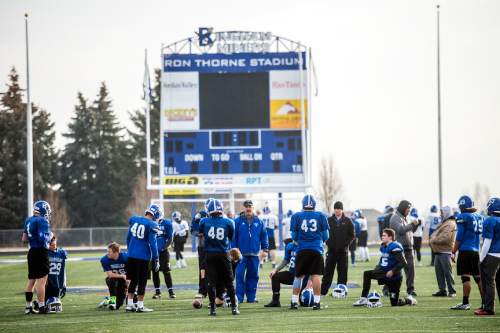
266 210
215 206
289 213
465 202
308 202
203 213
388 209
207 201
414 212
307 297
42 208
493 206
434 209
155 210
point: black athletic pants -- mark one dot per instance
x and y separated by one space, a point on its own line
117 287
417 244
220 271
334 258
379 275
179 242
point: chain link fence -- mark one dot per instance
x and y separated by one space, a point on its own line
71 237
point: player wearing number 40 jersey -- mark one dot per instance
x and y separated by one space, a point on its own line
469 228
217 233
142 248
309 230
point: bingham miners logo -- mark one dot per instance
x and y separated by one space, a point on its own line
181 114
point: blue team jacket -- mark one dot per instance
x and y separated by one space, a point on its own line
250 238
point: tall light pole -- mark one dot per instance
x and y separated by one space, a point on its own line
29 127
440 164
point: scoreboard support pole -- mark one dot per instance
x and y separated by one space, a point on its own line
231 202
280 219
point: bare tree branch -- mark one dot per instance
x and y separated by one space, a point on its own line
330 185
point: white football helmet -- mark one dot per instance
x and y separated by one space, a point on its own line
374 300
54 305
340 291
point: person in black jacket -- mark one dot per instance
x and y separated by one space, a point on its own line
341 235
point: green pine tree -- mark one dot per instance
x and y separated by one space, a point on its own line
98 170
13 174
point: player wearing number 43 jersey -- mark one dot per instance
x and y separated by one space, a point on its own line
142 248
469 228
309 230
217 233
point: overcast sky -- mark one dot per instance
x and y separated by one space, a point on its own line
376 111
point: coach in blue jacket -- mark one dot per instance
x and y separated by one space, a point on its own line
250 237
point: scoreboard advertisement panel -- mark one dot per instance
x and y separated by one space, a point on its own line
233 120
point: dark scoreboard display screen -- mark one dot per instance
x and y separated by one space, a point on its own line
234 100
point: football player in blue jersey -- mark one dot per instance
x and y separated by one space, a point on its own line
490 257
114 264
202 265
163 241
37 233
279 277
142 248
387 272
217 234
56 282
250 237
309 230
469 228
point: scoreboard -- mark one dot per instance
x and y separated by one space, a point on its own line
234 120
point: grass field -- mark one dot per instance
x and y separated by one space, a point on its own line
80 313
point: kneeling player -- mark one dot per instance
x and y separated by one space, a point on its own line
56 282
218 232
387 272
114 265
284 277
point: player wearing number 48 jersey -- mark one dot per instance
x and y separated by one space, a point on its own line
469 228
142 248
217 233
309 230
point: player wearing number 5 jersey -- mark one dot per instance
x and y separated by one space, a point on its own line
142 248
387 272
309 230
217 233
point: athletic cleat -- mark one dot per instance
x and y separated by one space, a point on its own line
412 293
235 311
461 307
452 294
362 301
316 306
157 296
144 309
130 308
273 304
410 300
112 306
440 294
104 303
30 310
294 306
171 294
